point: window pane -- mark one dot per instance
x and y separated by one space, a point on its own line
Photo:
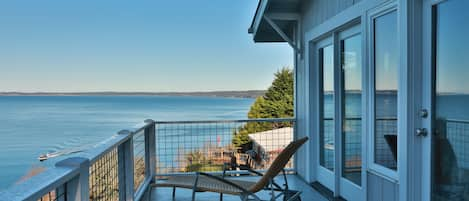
450 173
352 108
386 79
327 107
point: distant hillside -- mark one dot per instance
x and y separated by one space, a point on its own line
234 94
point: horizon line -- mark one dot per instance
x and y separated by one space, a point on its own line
82 92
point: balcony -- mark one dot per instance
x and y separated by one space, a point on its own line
124 166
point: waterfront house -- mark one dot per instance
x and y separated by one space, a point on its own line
380 90
383 84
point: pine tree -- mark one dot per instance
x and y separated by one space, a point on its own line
276 103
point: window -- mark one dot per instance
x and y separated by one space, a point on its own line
385 45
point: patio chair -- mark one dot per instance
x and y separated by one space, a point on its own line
246 190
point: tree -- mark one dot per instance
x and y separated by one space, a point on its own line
276 103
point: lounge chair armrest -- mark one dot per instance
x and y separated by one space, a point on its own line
222 180
285 178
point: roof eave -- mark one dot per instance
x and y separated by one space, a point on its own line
261 6
274 21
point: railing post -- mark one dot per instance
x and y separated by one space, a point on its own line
59 190
294 137
126 168
77 189
150 149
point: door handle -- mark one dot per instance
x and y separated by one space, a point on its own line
421 132
423 113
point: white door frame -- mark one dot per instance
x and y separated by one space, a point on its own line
323 175
333 179
392 175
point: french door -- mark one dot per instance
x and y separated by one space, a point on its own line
350 112
339 165
446 96
324 55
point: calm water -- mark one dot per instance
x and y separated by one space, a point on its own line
30 126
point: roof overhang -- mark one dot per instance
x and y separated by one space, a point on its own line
276 21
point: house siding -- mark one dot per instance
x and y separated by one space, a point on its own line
380 189
302 117
314 14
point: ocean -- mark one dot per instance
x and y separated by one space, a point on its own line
34 125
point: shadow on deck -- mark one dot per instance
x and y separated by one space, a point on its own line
295 183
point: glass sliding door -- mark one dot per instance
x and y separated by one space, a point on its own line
351 108
450 124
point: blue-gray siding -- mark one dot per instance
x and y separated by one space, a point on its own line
380 189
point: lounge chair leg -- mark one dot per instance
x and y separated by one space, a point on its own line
174 193
246 197
272 190
194 189
221 196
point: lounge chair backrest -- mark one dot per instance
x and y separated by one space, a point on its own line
279 163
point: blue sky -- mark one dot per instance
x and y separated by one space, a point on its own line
113 45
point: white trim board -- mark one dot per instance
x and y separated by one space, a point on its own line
350 14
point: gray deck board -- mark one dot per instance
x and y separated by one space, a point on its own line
164 194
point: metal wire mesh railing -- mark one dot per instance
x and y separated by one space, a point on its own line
450 142
103 179
54 195
327 143
139 159
189 146
352 141
352 144
456 133
383 152
115 169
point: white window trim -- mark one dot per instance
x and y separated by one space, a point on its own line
373 167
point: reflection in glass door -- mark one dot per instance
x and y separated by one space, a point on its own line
351 108
385 89
450 163
324 55
326 150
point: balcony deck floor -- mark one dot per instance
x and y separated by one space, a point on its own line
308 193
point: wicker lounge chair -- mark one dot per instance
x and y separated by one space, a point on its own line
246 190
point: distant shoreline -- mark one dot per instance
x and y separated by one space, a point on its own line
227 94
